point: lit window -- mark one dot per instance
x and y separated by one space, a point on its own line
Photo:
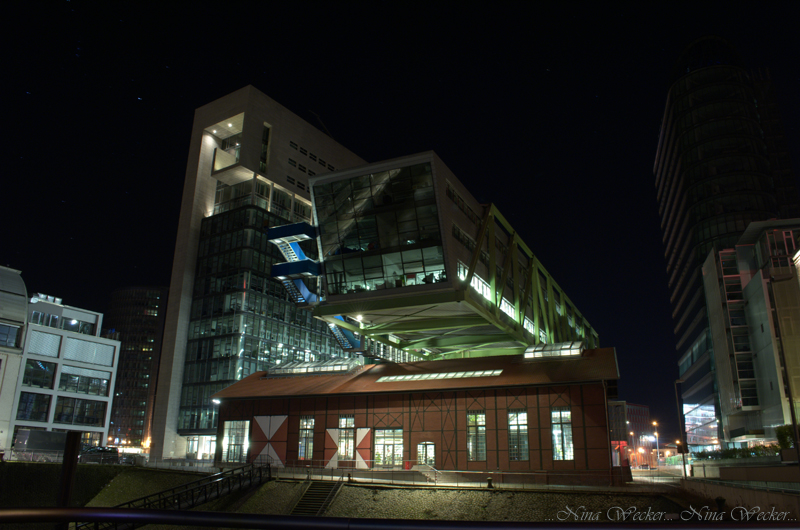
306 446
389 447
561 426
235 441
476 436
517 435
347 437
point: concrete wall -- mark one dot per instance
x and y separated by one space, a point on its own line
762 500
781 473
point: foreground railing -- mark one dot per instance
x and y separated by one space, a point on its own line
412 473
193 493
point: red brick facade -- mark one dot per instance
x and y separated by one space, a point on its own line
439 417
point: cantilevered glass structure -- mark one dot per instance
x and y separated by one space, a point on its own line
414 267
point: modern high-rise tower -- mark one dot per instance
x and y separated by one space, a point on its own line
136 316
721 164
249 163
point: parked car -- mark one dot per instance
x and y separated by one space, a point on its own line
644 466
99 455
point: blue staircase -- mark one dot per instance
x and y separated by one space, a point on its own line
297 267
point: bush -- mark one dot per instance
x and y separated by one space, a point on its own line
785 435
738 452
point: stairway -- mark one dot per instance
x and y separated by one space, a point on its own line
316 498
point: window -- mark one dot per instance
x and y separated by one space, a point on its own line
476 436
80 412
39 374
347 437
388 447
518 435
306 447
561 426
33 407
235 441
84 381
293 145
8 335
303 151
292 163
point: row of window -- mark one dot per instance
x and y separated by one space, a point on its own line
36 407
67 324
312 156
389 442
41 374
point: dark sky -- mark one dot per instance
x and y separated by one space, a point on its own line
552 113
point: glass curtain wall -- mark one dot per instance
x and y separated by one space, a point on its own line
380 231
241 319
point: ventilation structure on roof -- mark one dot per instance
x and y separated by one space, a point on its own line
442 375
560 349
332 366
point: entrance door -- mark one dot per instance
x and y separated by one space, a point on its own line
426 454
388 455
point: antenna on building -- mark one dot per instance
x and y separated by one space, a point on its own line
320 122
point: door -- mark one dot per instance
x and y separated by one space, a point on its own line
426 454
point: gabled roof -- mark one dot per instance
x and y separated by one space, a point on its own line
593 366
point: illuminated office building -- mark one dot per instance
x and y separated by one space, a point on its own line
259 281
136 318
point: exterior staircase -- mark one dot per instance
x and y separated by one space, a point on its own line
317 498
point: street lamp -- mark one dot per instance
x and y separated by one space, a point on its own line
633 443
655 424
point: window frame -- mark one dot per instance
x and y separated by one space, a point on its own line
476 436
561 433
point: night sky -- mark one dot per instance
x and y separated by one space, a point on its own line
552 113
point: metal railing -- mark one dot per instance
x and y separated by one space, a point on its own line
329 499
413 474
193 493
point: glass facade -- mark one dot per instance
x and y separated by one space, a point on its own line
241 318
380 231
137 315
